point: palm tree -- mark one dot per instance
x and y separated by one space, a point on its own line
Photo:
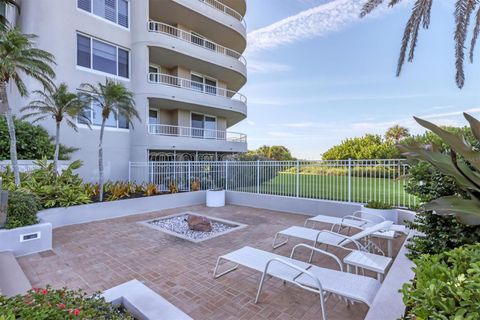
19 57
58 104
115 99
420 18
397 133
3 20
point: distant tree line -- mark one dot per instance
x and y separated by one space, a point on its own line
375 146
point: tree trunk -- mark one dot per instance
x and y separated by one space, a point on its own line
57 148
5 110
100 161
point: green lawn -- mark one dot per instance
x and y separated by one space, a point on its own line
363 189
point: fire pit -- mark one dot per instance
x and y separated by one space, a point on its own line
201 228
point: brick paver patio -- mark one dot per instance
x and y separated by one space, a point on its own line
100 255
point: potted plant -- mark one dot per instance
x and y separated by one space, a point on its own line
215 198
382 209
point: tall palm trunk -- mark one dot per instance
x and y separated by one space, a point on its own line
100 161
57 148
5 110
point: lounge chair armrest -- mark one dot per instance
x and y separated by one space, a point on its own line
331 255
355 218
346 240
299 269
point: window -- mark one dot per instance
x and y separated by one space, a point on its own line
153 74
204 84
116 11
101 56
94 113
153 121
203 126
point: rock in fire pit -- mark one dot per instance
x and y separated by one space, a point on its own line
198 223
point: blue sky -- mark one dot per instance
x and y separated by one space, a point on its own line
318 74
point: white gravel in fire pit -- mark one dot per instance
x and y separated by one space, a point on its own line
177 225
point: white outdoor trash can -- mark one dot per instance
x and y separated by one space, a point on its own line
215 198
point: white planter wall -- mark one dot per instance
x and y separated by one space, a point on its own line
60 217
11 240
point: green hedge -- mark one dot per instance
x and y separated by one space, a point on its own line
33 142
446 286
22 209
50 304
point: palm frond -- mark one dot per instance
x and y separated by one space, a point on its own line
369 6
476 32
463 11
420 16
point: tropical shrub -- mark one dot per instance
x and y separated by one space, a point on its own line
173 187
370 146
151 189
51 304
195 185
22 210
51 188
446 286
462 163
437 233
33 142
378 205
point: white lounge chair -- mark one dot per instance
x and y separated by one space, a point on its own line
337 239
351 287
358 219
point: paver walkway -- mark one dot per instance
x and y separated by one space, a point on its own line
100 255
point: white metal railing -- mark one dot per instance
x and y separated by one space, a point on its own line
31 165
179 131
154 26
341 180
169 80
225 9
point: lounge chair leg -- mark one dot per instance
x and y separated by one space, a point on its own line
322 305
275 246
215 275
260 287
311 254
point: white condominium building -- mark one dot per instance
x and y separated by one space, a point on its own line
181 58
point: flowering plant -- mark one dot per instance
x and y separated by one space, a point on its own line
47 303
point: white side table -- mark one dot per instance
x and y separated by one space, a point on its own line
369 261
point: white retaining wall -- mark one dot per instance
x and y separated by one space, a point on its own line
10 240
60 217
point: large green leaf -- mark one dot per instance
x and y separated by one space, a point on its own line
456 142
474 125
440 161
466 210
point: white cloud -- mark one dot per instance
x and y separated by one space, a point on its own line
315 22
264 67
251 123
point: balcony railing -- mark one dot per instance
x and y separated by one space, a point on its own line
183 83
190 132
225 9
159 27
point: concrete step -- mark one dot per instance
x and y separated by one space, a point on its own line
12 278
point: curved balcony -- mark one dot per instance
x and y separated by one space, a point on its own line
183 83
198 133
210 18
225 9
172 92
159 27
